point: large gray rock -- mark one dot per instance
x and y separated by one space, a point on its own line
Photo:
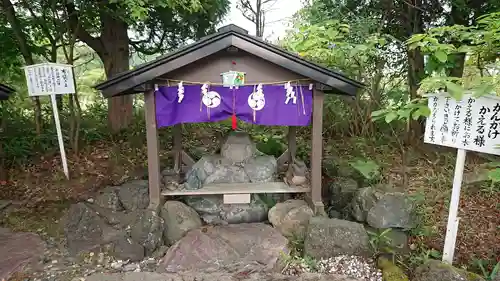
211 276
84 229
214 169
134 195
227 173
148 231
291 217
179 219
261 168
229 246
382 206
238 147
392 210
18 249
108 198
213 210
363 201
125 248
332 237
341 191
196 176
435 270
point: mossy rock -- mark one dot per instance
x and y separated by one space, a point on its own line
435 270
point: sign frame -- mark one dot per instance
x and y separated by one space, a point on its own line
48 84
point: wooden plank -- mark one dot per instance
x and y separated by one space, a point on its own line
154 174
317 145
239 188
243 198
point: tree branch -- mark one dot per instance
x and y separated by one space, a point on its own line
76 27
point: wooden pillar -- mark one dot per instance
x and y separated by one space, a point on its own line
153 151
292 143
289 154
177 148
317 152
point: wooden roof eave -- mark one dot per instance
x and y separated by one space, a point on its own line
128 82
5 92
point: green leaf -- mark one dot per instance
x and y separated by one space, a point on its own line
484 89
455 90
380 112
494 175
421 111
441 56
391 116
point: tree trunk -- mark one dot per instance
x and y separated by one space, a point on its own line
113 49
116 61
416 71
10 14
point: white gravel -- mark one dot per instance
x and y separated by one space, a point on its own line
351 266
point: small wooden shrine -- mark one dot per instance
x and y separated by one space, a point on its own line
231 74
5 92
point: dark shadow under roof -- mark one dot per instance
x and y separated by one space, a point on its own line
5 92
227 36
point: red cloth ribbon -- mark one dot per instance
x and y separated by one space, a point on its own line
234 121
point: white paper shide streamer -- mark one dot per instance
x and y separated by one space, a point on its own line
290 93
180 92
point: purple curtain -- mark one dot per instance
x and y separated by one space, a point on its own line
192 110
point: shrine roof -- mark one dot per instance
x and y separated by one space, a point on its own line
5 92
227 36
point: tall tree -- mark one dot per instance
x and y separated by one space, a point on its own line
159 26
8 10
256 13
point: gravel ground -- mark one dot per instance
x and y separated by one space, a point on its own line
351 266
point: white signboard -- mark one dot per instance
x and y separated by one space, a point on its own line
49 78
469 124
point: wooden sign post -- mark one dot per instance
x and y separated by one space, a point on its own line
469 124
52 79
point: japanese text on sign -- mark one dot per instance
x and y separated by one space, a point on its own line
471 123
49 78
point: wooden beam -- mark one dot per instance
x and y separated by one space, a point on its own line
240 188
317 147
154 175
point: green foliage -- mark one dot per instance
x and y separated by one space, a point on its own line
380 242
488 269
413 110
368 168
479 44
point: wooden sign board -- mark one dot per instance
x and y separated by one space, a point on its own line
467 124
49 79
471 123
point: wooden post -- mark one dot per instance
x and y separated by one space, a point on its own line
317 152
153 151
289 154
177 148
292 143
